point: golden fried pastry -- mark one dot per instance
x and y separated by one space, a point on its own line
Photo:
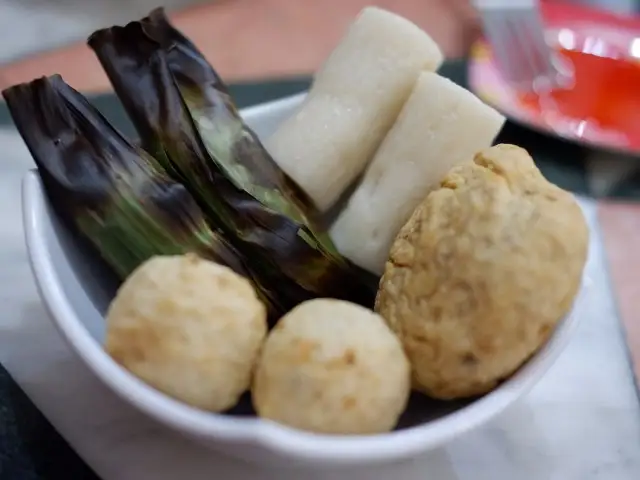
482 272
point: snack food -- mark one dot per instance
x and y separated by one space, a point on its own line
441 125
479 276
190 328
187 120
355 98
482 272
334 367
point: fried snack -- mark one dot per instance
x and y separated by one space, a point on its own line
333 367
482 273
190 328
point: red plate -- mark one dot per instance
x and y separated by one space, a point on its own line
603 107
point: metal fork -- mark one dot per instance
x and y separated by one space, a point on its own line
515 31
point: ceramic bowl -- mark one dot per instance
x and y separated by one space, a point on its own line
76 289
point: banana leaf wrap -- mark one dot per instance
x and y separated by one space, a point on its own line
140 63
230 142
112 193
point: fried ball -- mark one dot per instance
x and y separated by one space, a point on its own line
482 272
188 327
332 367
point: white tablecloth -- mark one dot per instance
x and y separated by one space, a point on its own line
581 422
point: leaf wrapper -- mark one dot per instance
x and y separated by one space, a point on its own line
234 147
112 193
164 84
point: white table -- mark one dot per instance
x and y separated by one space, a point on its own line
581 422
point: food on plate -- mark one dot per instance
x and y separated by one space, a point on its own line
188 327
105 188
332 367
355 98
165 85
441 125
482 273
213 236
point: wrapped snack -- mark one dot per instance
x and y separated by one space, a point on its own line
126 54
111 192
186 119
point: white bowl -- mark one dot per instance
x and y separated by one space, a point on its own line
76 289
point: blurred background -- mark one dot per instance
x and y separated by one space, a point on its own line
255 45
245 38
29 26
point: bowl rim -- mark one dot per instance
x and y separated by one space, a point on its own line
256 431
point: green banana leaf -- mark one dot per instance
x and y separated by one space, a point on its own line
229 141
112 193
145 71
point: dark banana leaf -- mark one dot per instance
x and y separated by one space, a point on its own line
111 192
140 69
231 144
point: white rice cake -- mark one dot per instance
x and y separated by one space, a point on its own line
441 125
355 98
